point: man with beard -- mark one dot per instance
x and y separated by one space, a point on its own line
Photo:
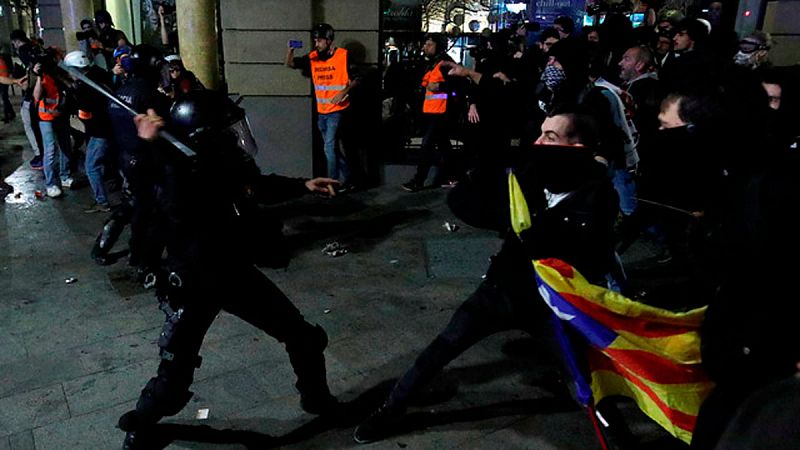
574 207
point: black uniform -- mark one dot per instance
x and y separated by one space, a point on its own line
136 159
206 211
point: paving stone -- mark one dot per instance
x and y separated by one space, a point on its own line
105 389
32 409
460 257
20 441
89 431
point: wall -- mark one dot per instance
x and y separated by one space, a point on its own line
278 99
782 21
52 28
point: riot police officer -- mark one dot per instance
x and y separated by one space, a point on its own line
140 90
207 211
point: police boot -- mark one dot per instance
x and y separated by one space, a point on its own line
161 397
144 440
308 361
105 241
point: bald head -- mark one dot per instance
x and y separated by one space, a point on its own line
635 62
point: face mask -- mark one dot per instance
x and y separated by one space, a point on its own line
561 168
743 59
553 76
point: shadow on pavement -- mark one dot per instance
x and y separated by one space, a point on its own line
160 436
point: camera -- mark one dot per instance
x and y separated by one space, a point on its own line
83 35
45 57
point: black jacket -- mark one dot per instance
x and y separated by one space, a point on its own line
209 210
577 230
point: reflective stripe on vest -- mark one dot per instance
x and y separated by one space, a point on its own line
435 101
49 105
330 78
48 109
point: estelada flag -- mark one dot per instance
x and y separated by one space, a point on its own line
649 354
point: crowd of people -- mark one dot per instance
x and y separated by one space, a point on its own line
677 129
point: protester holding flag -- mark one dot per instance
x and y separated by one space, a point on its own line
575 207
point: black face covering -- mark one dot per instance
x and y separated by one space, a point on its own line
562 168
675 139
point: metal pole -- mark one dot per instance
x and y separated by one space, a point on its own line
75 73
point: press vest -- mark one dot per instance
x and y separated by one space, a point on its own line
50 103
329 77
435 102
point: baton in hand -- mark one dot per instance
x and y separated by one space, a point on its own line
75 73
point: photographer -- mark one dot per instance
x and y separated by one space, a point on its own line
90 44
108 36
30 120
50 97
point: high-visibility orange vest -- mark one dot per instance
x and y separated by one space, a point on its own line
49 104
435 101
329 77
3 68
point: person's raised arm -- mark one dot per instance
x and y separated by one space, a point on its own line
289 57
163 24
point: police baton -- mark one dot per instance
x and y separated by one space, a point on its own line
665 206
75 73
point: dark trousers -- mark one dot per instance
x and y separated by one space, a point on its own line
8 108
489 310
436 149
248 294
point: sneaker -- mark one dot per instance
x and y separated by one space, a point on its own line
67 183
36 163
411 186
54 191
98 207
379 425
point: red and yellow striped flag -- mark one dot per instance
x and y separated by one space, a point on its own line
649 354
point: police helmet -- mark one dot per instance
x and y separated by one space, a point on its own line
122 50
206 114
147 62
322 31
77 59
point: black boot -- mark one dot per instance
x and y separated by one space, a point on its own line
308 361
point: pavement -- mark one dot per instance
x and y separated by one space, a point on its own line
74 355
